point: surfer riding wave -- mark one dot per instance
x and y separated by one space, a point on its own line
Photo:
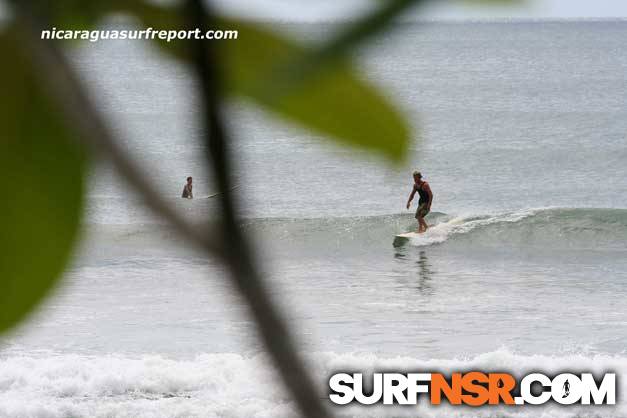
424 203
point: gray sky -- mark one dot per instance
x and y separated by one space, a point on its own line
315 10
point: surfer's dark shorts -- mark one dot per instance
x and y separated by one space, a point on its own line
422 211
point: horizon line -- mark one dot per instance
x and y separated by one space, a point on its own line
600 19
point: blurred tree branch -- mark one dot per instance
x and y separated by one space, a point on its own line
228 244
273 328
295 72
59 80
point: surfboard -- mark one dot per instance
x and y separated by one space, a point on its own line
218 194
402 239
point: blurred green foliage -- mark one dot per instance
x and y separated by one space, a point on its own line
41 179
334 102
42 169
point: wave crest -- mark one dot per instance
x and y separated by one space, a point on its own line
235 386
558 228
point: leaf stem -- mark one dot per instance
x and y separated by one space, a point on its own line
58 78
245 274
293 73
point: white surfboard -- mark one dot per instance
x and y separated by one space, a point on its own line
218 194
402 239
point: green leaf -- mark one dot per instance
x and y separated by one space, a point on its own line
333 101
69 14
41 178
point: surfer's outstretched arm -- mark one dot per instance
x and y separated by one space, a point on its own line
411 196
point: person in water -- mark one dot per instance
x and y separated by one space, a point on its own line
424 204
187 190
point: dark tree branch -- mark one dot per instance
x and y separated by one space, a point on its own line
63 85
291 74
363 30
244 272
59 80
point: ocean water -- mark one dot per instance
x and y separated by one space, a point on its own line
525 267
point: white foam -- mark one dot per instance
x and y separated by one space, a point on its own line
464 224
232 385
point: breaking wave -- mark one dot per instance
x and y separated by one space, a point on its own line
557 228
591 229
231 385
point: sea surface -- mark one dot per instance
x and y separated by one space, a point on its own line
520 129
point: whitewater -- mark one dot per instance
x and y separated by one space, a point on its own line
224 385
524 268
